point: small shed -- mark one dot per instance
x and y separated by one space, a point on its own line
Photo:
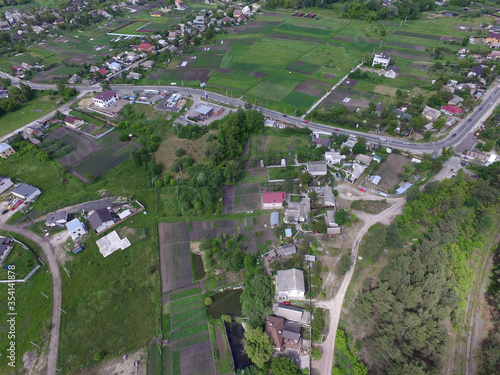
275 219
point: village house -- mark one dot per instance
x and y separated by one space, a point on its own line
431 114
135 76
364 159
5 184
293 313
357 171
76 229
6 245
105 98
283 334
334 157
26 192
100 219
56 218
297 211
6 150
290 284
476 71
74 79
492 37
317 168
156 13
273 200
381 58
146 47
73 122
451 110
391 71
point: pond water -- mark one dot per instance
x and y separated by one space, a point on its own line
226 303
199 270
235 337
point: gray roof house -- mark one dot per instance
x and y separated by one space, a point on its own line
317 168
26 192
56 218
100 220
294 313
290 284
431 114
5 183
6 245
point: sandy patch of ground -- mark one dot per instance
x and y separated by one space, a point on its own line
385 90
59 243
119 366
194 247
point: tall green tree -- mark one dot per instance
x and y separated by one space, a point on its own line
258 346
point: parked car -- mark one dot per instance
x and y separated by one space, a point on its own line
306 122
16 205
5 211
454 135
337 130
363 190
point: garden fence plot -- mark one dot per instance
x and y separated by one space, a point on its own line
240 198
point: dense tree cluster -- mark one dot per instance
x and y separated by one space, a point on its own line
418 290
17 96
226 252
257 299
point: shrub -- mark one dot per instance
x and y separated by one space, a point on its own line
180 152
345 264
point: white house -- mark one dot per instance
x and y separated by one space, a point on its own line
334 157
391 72
76 228
26 192
290 284
5 183
105 98
381 58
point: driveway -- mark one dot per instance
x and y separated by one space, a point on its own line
57 292
325 364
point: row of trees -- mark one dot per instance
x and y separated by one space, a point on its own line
418 290
17 96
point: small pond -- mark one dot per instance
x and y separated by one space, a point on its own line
199 270
226 303
235 337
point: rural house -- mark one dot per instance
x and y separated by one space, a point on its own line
74 79
364 159
451 110
6 150
76 229
6 245
73 122
5 183
476 71
431 114
284 334
492 38
381 58
294 313
392 71
273 200
329 198
334 157
56 218
146 47
297 211
26 192
317 168
105 98
100 220
290 284
156 13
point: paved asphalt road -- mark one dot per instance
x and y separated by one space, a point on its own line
56 294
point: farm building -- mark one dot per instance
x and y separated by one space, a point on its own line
357 170
76 228
6 245
317 168
284 334
375 179
290 284
6 150
26 192
73 121
381 58
273 200
333 231
275 219
5 183
403 188
329 197
294 313
105 98
56 218
100 219
330 219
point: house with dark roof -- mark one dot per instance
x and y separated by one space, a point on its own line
476 71
492 38
310 15
105 98
298 14
100 220
284 334
391 71
73 121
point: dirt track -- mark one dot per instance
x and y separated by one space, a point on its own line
325 364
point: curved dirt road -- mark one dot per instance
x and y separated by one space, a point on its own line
57 292
325 364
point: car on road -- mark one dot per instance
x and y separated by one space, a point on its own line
285 116
407 143
361 189
306 122
469 120
453 135
491 103
481 108
383 139
337 130
4 212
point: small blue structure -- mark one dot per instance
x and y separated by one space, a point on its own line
403 189
288 232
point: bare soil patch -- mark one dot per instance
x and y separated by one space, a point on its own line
313 87
196 74
406 45
329 76
390 169
422 67
409 56
119 365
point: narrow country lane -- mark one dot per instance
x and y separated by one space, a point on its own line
57 292
325 364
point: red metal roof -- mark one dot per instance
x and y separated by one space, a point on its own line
145 47
273 197
452 109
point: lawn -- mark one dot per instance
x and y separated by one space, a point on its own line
23 261
28 112
34 312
